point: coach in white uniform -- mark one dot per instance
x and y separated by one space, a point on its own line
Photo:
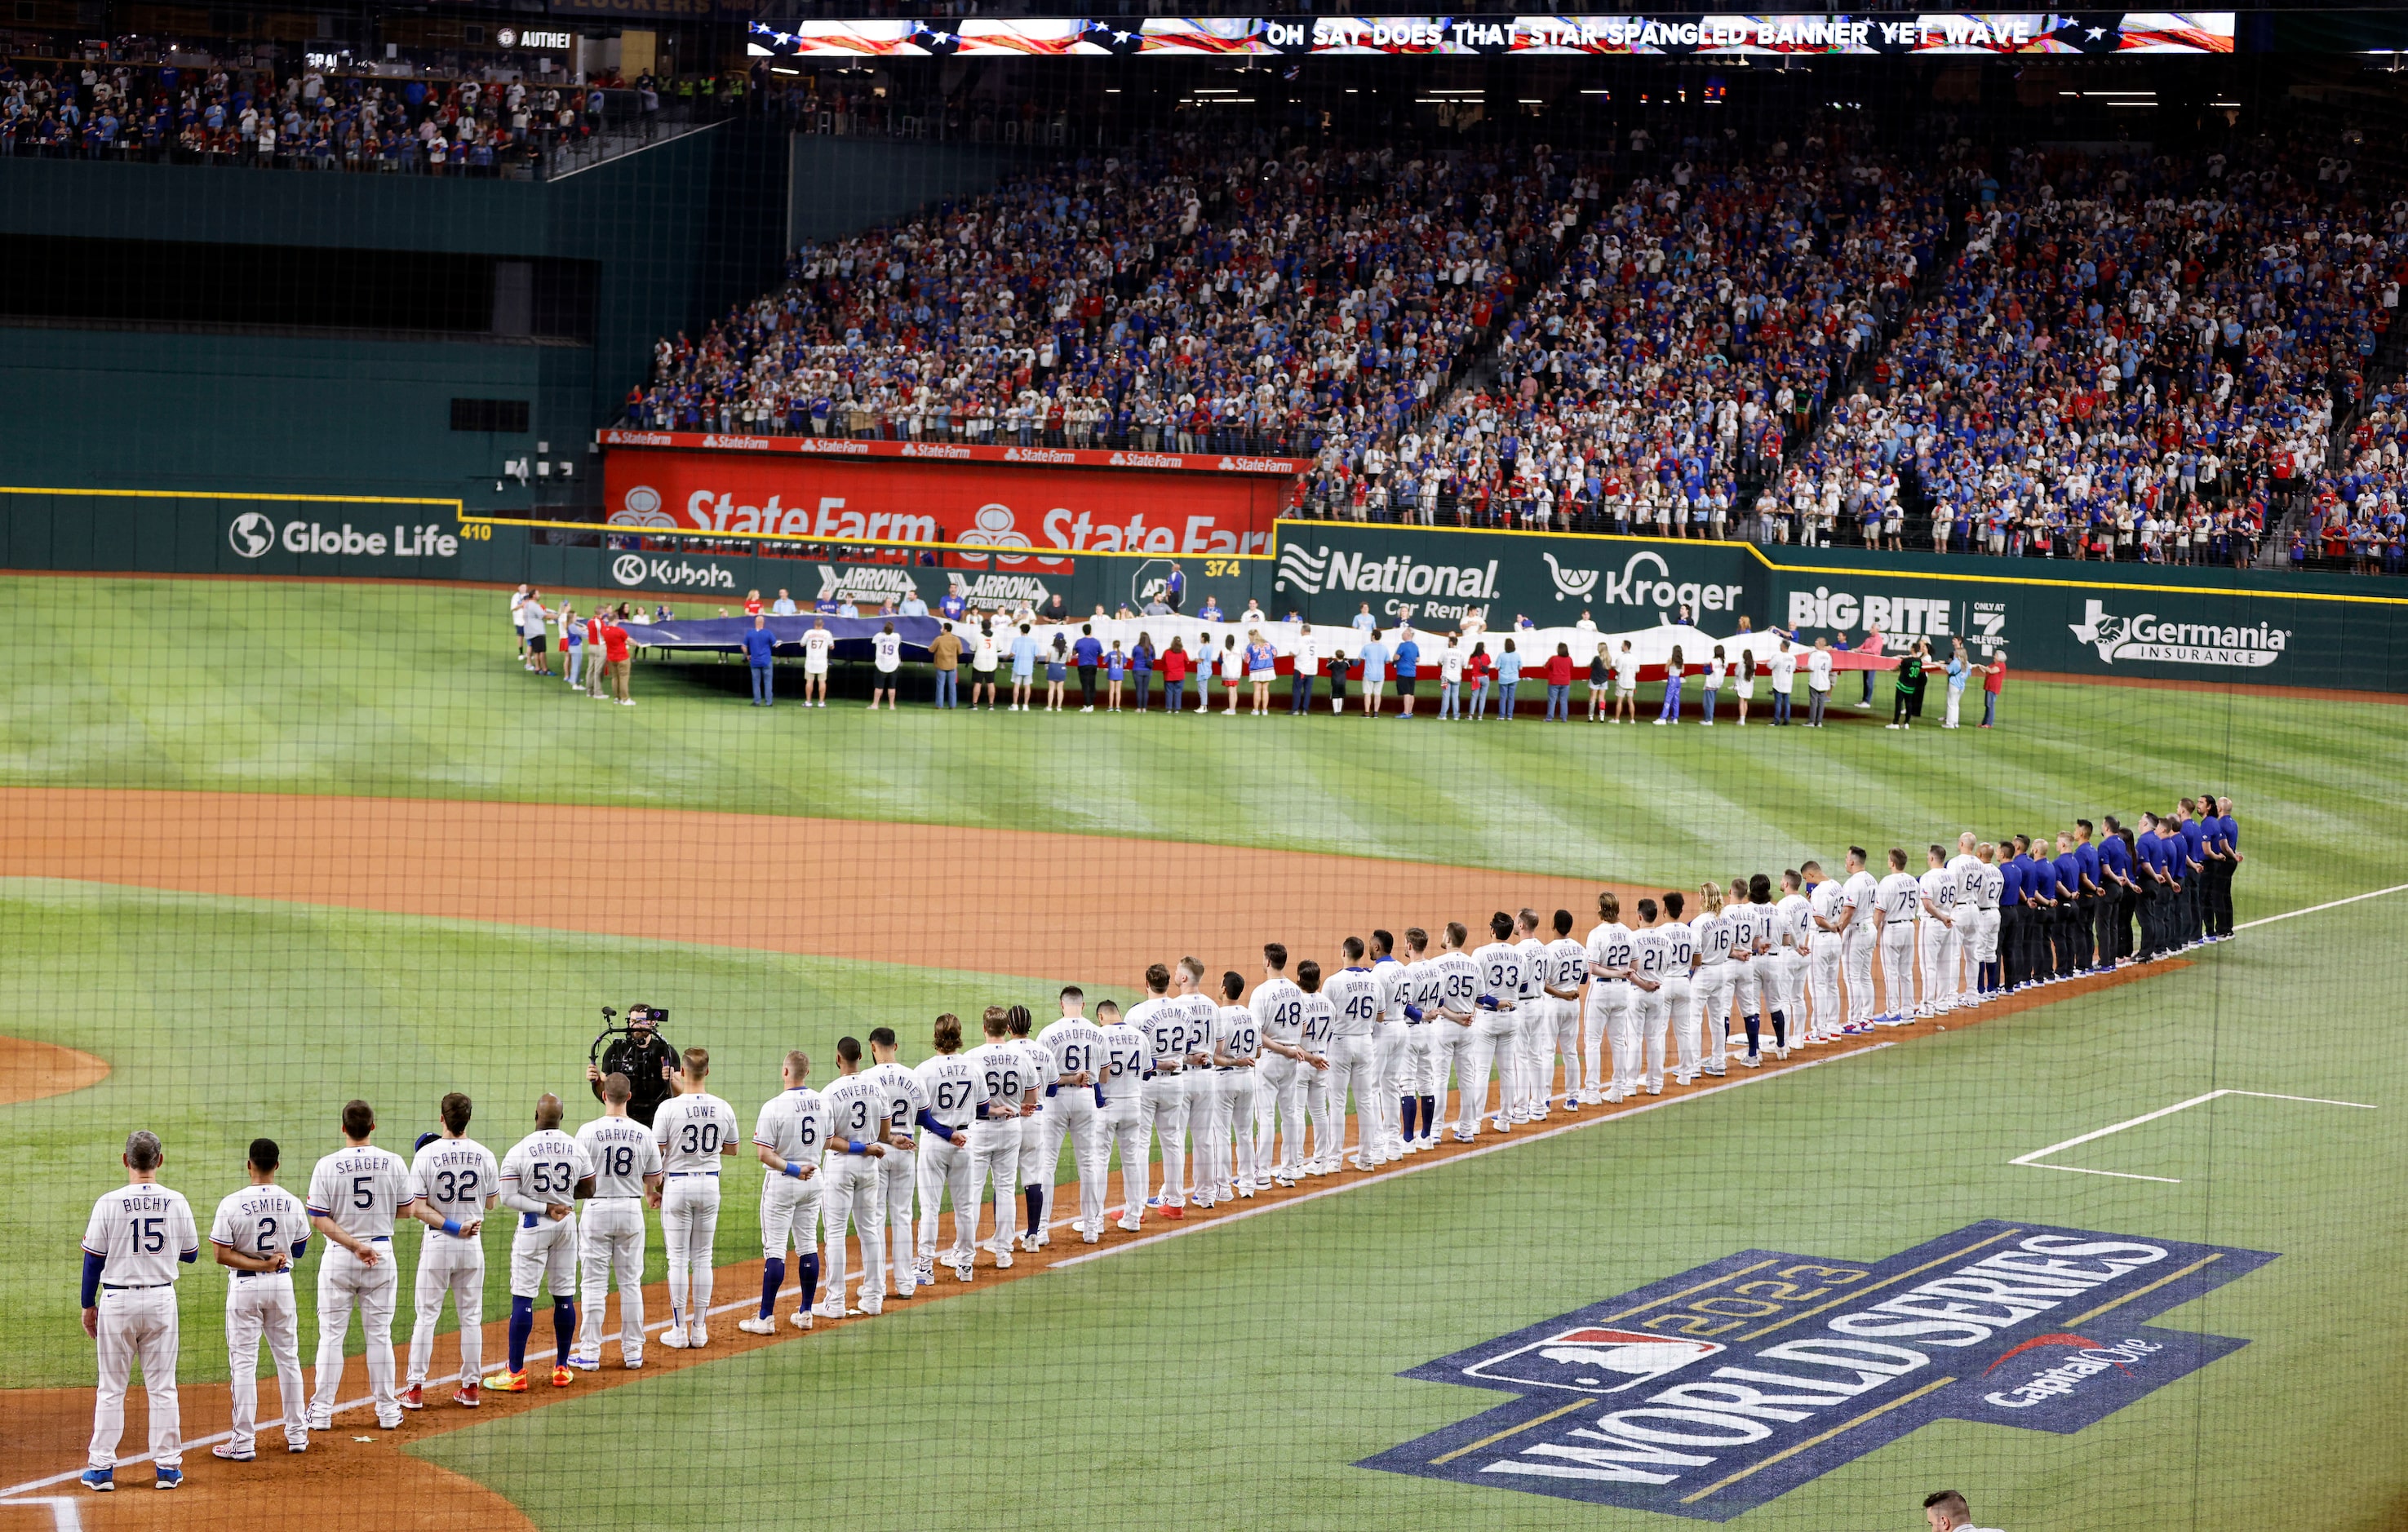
260 1233
453 1179
137 1237
788 1138
355 1194
542 1177
1975 918
693 1130
626 1176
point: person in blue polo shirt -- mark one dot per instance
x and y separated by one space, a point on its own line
2228 837
953 604
2110 919
2069 936
2087 900
2012 915
761 650
1086 654
2149 848
2031 961
826 606
1408 660
2193 865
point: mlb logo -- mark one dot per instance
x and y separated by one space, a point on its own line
1589 1360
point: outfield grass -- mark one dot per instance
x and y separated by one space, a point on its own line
230 1019
239 686
1231 1378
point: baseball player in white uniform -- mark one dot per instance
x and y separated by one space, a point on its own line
542 1177
1607 957
694 1130
1826 913
1859 896
1353 997
137 1237
455 1179
1236 1051
1566 971
1278 1007
1036 1177
1458 1013
1793 919
1639 1052
1013 1088
1711 986
610 1234
1975 920
1127 1074
855 1189
1939 946
1534 1024
957 1098
1199 1010
1390 1066
1493 1035
1312 1041
260 1233
907 1107
1073 1104
1899 901
1422 991
355 1194
1155 1102
1680 994
789 1136
1751 925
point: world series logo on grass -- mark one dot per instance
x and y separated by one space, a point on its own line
1712 1391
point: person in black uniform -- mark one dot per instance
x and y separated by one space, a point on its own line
644 1059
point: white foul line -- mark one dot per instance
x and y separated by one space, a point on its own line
2336 904
2033 1159
65 1514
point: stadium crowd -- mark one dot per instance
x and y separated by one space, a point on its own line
1238 1092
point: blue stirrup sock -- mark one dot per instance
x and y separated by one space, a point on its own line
810 1280
1405 1106
563 1328
773 1276
521 1326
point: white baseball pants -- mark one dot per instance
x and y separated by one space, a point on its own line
945 1168
690 1227
995 1156
1162 1112
1351 1073
1070 1117
1651 1013
1230 1126
1857 961
346 1284
1897 969
611 1245
1822 983
856 1191
139 1324
261 1304
1623 1031
900 1171
1390 1072
543 1256
1711 992
1944 980
1450 1051
1607 999
445 1265
1122 1126
1208 1129
1278 1108
1494 1036
1789 994
1747 990
1317 1103
1538 1053
1567 1046
1681 1020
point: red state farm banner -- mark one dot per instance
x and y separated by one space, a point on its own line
956 451
984 502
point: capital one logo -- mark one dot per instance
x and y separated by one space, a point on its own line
2148 637
251 533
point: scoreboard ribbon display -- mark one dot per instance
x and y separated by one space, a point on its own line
1709 1394
1673 33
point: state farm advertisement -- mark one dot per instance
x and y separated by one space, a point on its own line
978 505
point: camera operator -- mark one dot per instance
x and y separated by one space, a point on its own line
644 1059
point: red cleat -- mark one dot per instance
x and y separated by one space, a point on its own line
466 1396
1170 1210
413 1398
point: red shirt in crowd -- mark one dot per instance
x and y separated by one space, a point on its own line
1481 667
1996 678
1559 670
615 642
1174 665
753 607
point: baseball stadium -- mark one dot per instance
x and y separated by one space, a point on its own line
430 1102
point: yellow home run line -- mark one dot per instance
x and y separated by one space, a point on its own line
1851 573
1817 1442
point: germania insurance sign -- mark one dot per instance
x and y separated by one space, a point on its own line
1710 1393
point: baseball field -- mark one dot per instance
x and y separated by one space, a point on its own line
268 847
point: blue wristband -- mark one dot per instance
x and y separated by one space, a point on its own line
795 1169
853 1146
451 1227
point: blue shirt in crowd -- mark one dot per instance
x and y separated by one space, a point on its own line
1086 652
760 647
1409 659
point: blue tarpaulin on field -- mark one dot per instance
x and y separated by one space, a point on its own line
725 635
